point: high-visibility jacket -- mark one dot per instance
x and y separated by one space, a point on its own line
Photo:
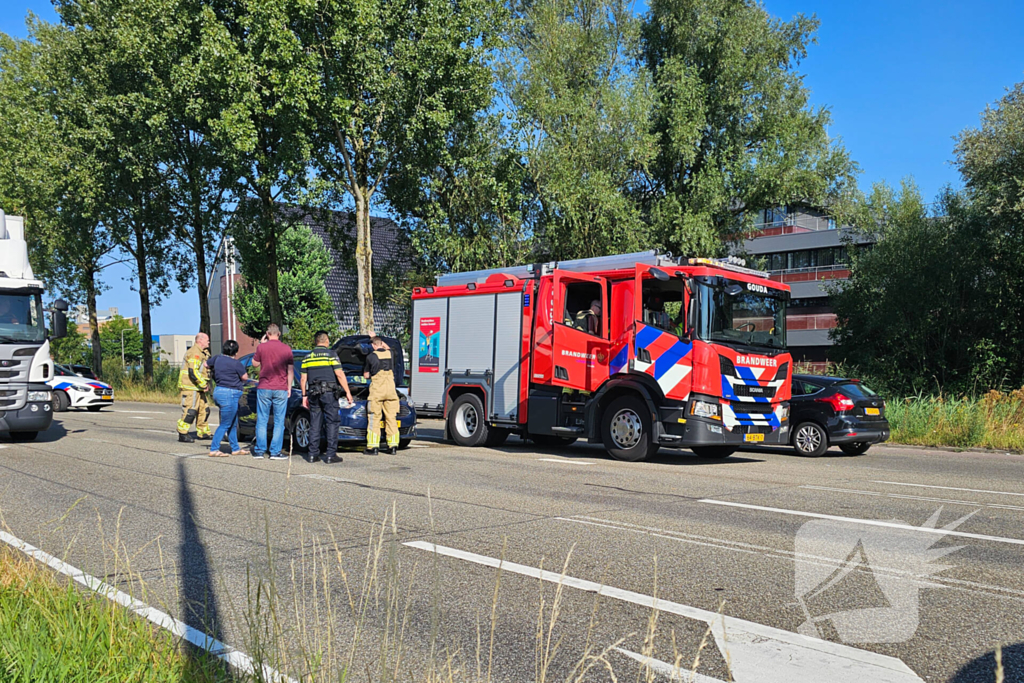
193 376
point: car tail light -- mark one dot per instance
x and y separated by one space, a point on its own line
839 402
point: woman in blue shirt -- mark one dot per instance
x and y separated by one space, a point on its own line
228 374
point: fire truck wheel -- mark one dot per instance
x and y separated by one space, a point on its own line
626 430
466 421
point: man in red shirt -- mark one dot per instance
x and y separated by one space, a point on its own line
274 360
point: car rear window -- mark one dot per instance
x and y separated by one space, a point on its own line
858 390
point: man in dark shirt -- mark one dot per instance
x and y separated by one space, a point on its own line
320 374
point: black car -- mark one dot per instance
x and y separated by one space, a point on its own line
832 410
352 352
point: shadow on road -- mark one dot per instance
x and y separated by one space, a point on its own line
983 669
198 601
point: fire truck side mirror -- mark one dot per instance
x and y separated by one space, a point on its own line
660 274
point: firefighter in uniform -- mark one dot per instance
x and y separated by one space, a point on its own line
322 380
194 385
383 398
589 320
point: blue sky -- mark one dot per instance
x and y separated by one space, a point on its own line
901 78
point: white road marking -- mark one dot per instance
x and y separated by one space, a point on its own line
142 412
136 417
417 445
669 670
791 556
158 431
3 445
948 488
565 462
868 522
903 496
235 658
756 653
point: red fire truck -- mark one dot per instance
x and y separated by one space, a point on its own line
635 351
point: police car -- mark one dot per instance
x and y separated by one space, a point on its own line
72 390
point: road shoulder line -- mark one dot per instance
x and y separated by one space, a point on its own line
222 651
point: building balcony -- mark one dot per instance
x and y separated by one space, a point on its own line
813 321
835 272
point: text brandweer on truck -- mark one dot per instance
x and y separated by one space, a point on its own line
635 351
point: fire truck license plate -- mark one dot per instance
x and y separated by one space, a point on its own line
753 437
871 411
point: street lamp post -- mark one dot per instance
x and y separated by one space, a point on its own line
123 365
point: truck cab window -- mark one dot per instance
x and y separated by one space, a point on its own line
21 317
663 305
583 307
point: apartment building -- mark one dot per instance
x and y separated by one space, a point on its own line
804 248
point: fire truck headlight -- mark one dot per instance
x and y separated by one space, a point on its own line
705 409
783 413
38 396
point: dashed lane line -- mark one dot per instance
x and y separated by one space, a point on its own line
756 653
867 522
948 488
222 651
903 496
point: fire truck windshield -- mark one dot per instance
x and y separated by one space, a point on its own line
21 317
740 314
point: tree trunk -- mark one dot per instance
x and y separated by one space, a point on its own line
94 327
141 264
364 260
202 284
270 244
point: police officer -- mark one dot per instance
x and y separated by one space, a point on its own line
322 379
383 398
194 383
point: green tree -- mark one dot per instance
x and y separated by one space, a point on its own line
72 349
735 131
53 179
913 313
396 77
991 162
304 263
260 80
471 213
111 334
579 106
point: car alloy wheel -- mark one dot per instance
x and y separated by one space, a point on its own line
300 431
810 439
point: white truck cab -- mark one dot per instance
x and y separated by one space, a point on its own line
25 364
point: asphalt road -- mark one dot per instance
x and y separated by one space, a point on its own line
789 569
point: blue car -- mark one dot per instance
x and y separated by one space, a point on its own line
352 431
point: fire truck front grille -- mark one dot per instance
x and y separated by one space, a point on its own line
756 392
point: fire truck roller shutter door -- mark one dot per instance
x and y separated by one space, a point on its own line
507 352
430 320
471 343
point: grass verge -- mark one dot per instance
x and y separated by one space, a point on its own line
52 631
995 420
